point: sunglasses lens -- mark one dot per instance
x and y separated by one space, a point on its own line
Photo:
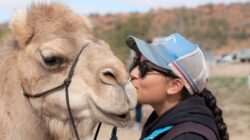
132 67
136 62
143 69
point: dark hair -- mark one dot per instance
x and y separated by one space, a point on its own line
217 112
212 105
185 94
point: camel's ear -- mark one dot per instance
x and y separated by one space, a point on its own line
88 22
20 28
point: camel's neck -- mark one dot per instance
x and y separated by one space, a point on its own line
63 130
8 71
17 118
10 90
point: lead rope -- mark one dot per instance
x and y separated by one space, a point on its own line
113 134
97 130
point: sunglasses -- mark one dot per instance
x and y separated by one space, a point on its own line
146 66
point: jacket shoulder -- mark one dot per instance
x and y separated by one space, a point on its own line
188 136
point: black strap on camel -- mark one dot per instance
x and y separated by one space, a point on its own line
65 84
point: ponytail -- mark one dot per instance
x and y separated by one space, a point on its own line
217 112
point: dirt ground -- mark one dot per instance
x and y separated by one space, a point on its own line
230 69
235 106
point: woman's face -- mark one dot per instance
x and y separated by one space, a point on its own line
151 88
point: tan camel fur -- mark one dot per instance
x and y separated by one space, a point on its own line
45 40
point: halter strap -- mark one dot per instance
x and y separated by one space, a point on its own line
66 84
67 81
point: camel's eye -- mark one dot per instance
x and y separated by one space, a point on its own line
52 60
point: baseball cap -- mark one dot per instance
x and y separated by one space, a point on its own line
177 54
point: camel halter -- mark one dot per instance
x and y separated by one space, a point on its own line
66 84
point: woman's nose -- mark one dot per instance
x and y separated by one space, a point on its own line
134 73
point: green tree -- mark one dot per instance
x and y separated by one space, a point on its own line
136 25
240 34
3 32
185 23
217 30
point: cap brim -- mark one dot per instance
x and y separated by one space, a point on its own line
153 53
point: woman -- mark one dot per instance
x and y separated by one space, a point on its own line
170 75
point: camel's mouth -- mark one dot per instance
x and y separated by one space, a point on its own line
122 117
111 118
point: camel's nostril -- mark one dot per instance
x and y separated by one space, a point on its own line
107 76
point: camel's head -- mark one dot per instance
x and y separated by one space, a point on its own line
49 37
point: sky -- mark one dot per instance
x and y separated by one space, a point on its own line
8 7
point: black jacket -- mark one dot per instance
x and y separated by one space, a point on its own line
191 109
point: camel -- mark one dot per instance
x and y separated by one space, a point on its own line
38 56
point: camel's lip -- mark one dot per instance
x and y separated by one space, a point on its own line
112 118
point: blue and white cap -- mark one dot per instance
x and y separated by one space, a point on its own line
178 54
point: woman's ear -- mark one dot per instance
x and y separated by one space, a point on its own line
174 86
